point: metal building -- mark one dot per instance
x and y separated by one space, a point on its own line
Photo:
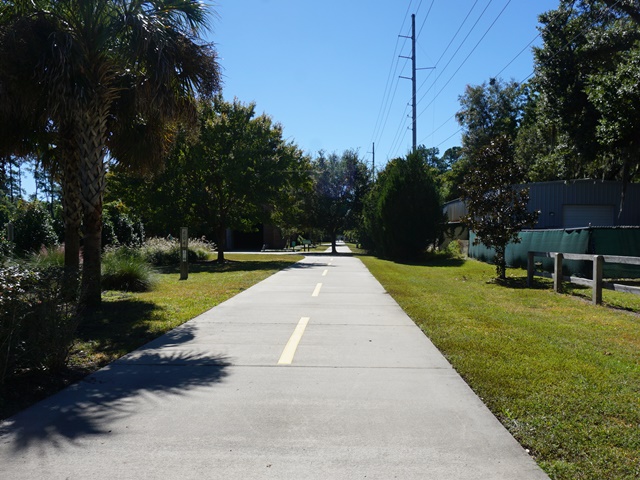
584 203
575 204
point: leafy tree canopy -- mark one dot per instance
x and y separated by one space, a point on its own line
585 73
236 172
488 111
340 183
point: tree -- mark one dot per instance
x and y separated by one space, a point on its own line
616 96
585 47
245 165
453 177
403 212
497 206
488 111
109 71
236 172
340 184
11 168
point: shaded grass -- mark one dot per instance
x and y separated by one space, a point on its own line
563 376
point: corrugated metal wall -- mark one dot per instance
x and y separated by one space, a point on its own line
454 210
549 198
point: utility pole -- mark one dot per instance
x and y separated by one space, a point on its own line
413 79
414 99
373 167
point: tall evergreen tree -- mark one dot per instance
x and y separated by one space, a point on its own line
403 214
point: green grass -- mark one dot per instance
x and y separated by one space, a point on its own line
562 375
126 321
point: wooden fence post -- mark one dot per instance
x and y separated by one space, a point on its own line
530 269
557 272
598 262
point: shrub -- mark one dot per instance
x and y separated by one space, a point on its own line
200 250
403 213
33 228
52 322
454 249
7 209
126 269
6 247
123 228
14 306
37 320
109 237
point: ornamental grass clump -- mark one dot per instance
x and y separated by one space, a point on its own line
48 257
162 251
126 269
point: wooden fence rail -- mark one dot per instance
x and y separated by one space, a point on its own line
596 282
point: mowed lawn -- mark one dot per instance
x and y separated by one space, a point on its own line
562 375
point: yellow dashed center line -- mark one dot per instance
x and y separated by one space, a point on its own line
324 274
290 349
316 291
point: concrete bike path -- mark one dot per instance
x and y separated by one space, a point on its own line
314 373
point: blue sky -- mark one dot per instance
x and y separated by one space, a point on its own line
328 70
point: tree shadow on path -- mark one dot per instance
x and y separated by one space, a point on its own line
90 407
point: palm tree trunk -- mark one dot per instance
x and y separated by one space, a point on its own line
92 136
71 207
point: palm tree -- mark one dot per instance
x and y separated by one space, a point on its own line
111 74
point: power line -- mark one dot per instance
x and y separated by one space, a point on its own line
467 57
387 91
425 17
399 130
557 52
459 46
387 101
449 137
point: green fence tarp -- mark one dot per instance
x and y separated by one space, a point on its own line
593 240
617 241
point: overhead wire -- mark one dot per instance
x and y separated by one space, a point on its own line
402 129
441 71
425 18
387 98
467 57
398 137
569 42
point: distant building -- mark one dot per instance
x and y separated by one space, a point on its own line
574 216
574 204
